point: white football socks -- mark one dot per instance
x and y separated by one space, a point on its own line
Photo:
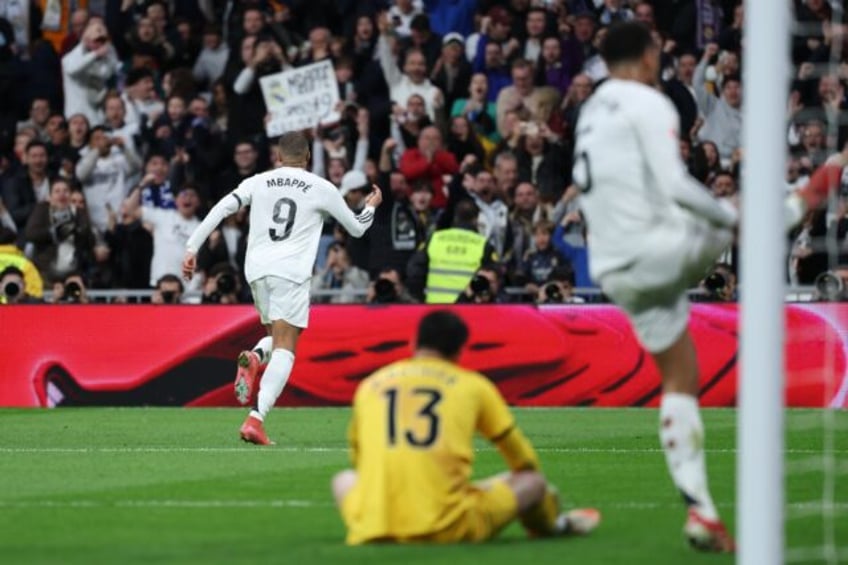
682 437
263 348
273 381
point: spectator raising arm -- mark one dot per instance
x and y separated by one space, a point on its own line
706 100
388 63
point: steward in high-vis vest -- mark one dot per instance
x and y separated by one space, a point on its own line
444 266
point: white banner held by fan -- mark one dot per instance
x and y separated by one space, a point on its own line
300 98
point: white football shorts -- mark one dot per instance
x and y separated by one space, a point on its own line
652 291
277 298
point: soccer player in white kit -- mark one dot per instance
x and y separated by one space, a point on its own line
287 209
653 232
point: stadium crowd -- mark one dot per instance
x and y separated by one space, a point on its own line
123 121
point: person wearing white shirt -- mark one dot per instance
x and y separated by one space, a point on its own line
212 59
102 170
86 71
653 231
171 229
288 206
139 96
413 79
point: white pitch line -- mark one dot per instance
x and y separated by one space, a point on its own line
275 449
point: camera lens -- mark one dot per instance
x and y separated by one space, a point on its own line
384 291
73 292
715 282
553 293
829 286
226 283
480 285
11 289
169 296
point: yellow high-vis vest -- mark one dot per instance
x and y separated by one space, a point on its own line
12 256
454 256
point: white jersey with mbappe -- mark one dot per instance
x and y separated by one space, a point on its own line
636 191
287 210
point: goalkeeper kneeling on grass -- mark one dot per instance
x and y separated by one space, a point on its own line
411 439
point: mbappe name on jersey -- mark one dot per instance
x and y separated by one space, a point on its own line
280 182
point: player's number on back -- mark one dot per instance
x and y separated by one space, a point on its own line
284 213
429 399
583 172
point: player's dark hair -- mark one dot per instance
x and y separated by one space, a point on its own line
294 146
626 42
442 331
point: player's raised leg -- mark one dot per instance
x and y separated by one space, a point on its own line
273 382
815 193
248 365
682 437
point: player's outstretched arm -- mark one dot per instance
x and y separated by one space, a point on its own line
227 206
355 224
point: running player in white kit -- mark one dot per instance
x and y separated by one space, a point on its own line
653 232
287 210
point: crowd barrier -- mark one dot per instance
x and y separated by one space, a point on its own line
145 355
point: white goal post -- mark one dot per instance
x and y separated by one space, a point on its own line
760 485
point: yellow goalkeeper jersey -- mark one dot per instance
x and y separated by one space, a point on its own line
411 439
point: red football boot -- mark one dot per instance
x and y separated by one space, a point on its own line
707 535
252 431
246 377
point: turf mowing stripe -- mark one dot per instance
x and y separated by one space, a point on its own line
345 449
305 503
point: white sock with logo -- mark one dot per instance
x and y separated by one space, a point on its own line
273 381
682 437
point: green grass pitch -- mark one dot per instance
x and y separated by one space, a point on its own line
176 486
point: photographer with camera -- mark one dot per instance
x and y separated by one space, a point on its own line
222 285
169 290
71 289
720 284
484 288
61 234
388 289
559 287
13 287
12 256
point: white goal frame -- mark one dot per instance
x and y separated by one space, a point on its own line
760 425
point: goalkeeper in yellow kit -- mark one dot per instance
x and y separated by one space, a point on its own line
411 445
